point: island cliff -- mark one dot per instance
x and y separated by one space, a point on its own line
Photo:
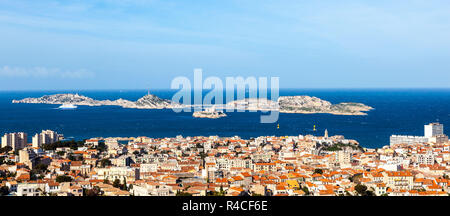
300 104
285 104
307 104
147 102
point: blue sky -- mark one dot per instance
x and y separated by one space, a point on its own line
138 44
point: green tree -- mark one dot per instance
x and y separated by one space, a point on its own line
63 178
5 149
116 183
74 157
214 193
37 171
356 178
105 162
306 190
124 186
255 194
67 143
41 167
362 190
4 191
221 191
183 194
101 147
95 191
318 171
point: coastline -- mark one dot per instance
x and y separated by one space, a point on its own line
371 130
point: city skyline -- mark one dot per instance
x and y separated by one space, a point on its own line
56 45
300 165
172 102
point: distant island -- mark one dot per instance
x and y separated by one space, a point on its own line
209 113
307 104
285 104
147 102
301 104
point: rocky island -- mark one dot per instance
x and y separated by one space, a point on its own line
300 104
308 105
209 113
285 104
147 102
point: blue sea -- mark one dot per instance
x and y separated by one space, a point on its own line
397 111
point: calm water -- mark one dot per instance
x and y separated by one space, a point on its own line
396 112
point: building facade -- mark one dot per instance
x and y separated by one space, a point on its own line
16 141
45 137
434 129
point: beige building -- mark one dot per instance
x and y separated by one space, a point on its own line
400 180
264 167
121 173
17 141
344 157
27 157
45 137
28 189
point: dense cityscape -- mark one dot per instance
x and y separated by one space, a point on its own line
303 165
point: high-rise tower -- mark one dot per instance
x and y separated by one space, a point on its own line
434 129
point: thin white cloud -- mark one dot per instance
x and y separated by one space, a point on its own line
43 72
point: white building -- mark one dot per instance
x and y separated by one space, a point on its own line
344 157
434 132
434 129
45 137
26 189
28 157
427 158
410 140
149 167
121 161
15 140
121 173
152 190
439 139
112 144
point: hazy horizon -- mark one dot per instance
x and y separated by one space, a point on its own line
206 90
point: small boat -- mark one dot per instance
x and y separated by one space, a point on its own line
67 106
